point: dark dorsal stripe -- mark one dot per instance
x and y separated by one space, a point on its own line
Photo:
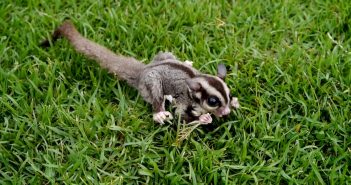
218 85
178 66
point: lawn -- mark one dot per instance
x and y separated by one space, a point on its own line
64 120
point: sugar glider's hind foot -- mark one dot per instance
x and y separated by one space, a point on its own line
188 63
161 117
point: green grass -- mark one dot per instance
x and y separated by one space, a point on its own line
64 120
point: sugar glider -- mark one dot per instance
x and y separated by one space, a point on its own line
193 94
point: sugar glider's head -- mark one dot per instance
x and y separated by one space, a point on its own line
211 93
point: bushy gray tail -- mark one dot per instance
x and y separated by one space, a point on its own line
125 68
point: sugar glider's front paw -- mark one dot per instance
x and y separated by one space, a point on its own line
162 116
188 63
169 98
205 118
235 103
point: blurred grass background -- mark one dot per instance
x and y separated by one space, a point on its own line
64 120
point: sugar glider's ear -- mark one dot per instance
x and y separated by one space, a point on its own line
193 84
221 71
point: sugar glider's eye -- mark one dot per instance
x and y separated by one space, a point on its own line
213 101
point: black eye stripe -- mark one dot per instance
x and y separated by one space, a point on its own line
205 95
218 85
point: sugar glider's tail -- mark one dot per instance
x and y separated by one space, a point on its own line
125 68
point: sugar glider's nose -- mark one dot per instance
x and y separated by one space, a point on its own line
223 111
